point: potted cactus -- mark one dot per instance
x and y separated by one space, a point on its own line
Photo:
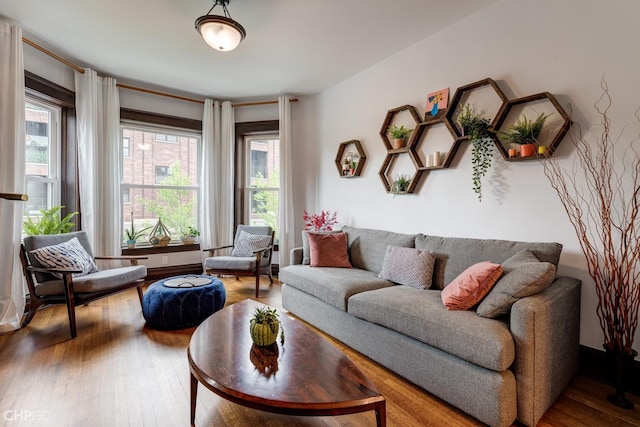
264 326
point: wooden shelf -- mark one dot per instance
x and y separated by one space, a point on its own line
341 156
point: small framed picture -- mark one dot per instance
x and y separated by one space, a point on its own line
437 103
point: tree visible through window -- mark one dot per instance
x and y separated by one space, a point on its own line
160 180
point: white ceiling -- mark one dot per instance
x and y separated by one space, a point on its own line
292 47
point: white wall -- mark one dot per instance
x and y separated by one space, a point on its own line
563 47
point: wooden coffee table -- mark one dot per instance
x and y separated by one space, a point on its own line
305 376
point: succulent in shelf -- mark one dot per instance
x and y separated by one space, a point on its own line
524 131
401 184
399 132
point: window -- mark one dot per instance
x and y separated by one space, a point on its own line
160 180
42 153
262 180
126 147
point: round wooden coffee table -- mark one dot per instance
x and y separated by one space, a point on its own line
306 376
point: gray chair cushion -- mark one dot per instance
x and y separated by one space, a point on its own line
420 314
332 285
367 247
455 254
98 281
231 262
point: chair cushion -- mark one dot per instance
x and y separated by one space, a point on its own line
247 244
98 281
69 255
231 263
329 250
39 241
408 266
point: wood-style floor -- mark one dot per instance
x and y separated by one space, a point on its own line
119 373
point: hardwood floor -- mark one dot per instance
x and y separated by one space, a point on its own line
118 373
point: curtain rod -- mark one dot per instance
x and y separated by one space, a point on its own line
139 89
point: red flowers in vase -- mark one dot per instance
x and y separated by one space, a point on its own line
324 221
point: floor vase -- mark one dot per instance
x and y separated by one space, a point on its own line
620 373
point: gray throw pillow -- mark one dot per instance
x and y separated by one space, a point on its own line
306 251
247 244
408 266
69 255
524 275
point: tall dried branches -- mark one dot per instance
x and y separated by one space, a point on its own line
601 195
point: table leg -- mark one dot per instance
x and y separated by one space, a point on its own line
194 395
381 414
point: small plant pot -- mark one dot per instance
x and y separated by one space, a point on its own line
131 244
527 150
398 143
263 334
188 240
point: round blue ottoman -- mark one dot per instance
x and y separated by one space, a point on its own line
181 302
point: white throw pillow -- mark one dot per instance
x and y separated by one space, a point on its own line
69 255
249 243
408 266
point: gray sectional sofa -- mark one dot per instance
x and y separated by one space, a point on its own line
497 370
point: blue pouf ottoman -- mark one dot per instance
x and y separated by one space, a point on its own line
181 302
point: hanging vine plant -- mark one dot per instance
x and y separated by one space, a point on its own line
473 123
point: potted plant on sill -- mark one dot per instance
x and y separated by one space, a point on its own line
600 195
525 132
133 235
473 124
399 134
49 222
264 326
189 235
401 184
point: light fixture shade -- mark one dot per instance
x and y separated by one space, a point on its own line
220 32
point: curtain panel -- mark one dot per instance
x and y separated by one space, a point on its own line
287 214
12 170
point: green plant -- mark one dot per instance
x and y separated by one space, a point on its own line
473 123
132 233
49 222
265 316
399 132
190 232
401 184
524 131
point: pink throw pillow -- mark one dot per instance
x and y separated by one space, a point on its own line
471 286
328 250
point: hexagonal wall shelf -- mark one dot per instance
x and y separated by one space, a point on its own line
421 138
389 119
340 158
388 163
562 130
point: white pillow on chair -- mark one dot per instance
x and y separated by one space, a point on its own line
249 243
69 255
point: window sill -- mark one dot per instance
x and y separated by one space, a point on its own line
149 250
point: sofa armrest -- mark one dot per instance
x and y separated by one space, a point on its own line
296 256
546 333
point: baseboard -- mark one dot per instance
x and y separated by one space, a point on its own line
593 364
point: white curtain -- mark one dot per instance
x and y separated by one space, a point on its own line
287 218
12 170
98 121
216 174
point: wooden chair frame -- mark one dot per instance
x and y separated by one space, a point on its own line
70 297
257 271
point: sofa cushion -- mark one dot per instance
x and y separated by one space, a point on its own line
408 266
332 285
524 275
420 314
329 250
455 254
306 251
471 286
367 247
246 244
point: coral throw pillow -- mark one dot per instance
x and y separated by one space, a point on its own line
328 250
471 286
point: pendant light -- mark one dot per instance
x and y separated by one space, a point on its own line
220 32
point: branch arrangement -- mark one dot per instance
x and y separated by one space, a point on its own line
601 195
